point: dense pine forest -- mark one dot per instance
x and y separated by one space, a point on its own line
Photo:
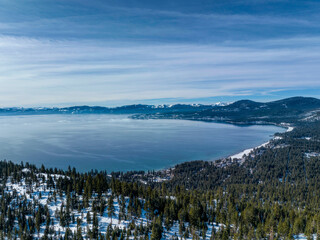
271 193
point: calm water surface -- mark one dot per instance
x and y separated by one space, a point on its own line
115 142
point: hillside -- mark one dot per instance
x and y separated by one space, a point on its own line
287 110
45 204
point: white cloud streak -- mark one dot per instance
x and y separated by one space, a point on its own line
37 72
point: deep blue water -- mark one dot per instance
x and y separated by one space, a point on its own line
115 142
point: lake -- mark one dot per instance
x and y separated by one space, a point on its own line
118 143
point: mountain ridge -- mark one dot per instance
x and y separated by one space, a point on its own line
242 112
177 105
288 110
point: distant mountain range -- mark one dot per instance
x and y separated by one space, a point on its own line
287 110
128 109
243 112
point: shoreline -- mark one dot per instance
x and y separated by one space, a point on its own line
249 150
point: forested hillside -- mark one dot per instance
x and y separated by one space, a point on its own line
273 193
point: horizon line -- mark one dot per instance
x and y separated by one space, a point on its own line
163 104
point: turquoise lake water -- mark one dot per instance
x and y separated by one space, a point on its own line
117 143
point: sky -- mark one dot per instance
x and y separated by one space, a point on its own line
119 52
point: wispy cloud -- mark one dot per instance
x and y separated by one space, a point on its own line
102 19
43 72
114 52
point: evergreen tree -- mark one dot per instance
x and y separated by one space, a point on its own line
157 229
111 209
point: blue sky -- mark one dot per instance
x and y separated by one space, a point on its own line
61 53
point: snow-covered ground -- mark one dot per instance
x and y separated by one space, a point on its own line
247 151
40 192
290 129
44 195
303 237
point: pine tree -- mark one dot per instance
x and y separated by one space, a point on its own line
88 217
95 227
111 209
38 220
157 229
